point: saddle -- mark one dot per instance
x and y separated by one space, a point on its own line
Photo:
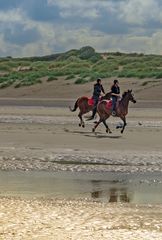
90 101
108 104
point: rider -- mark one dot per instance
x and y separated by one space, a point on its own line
98 88
115 93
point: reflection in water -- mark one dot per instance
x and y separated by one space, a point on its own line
113 195
107 187
119 195
96 194
125 197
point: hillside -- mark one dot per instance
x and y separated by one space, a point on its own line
71 73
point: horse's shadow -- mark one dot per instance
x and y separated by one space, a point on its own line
103 136
98 135
76 132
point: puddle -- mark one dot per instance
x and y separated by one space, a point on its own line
145 188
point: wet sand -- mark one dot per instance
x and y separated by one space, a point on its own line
44 138
65 102
50 139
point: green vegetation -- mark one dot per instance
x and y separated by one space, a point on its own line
79 66
80 81
51 78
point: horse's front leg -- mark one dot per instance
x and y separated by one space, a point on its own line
81 120
107 128
124 121
96 125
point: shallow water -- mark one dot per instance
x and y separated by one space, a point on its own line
140 188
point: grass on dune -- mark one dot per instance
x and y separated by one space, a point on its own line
80 66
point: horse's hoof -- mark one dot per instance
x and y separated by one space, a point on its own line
80 124
93 130
83 126
121 131
108 131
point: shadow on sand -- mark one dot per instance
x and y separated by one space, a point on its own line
98 135
77 132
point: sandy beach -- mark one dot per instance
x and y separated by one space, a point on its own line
49 139
62 178
71 219
44 138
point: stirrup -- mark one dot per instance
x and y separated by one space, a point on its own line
113 113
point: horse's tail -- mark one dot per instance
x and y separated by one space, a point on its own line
75 106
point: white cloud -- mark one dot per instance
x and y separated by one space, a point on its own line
12 16
155 44
55 37
139 12
89 9
104 42
61 36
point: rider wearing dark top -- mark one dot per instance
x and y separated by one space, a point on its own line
98 88
115 93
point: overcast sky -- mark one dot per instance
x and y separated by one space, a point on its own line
41 27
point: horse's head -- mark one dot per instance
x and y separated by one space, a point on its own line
129 95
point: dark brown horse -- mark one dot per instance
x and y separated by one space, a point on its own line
85 105
121 110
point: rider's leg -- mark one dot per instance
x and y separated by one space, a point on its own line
113 105
94 109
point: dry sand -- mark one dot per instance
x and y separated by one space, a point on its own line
37 138
144 89
77 220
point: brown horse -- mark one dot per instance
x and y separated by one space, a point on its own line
85 105
121 110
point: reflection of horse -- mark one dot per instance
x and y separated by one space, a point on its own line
113 194
105 111
85 105
119 195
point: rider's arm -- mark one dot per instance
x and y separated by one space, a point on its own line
102 89
115 94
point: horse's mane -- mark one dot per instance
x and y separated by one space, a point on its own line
107 96
124 93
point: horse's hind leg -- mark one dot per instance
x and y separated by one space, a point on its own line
80 117
107 128
81 124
